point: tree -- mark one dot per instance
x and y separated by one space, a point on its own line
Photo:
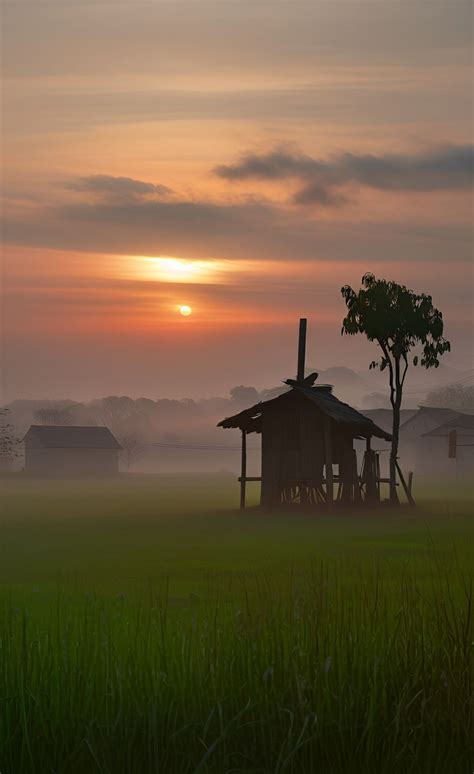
459 397
132 449
53 416
8 440
246 395
116 413
398 320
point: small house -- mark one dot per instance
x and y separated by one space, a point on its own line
52 450
308 434
417 450
450 447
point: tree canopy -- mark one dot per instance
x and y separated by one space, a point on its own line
397 319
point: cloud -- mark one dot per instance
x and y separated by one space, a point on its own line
118 187
248 230
319 193
442 169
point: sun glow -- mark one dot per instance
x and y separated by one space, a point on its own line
185 310
168 269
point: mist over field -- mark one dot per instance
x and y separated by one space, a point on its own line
180 435
148 625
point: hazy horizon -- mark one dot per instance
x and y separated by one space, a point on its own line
244 160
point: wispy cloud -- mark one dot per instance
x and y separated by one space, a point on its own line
322 181
123 188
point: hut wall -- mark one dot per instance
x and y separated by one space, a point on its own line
292 449
71 462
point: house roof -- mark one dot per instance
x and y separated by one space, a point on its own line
431 414
462 423
250 420
71 437
383 417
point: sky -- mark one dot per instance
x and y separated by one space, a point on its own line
244 158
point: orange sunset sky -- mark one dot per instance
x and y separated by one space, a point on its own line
242 158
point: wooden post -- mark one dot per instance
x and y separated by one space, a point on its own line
452 444
301 350
355 477
328 461
243 470
410 480
377 473
404 485
370 474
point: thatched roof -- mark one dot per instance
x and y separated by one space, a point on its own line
70 437
322 397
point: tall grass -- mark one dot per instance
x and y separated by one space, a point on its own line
329 670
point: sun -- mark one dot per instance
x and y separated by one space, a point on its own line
185 310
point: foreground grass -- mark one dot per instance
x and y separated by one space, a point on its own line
153 629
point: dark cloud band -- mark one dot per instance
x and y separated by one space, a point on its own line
448 168
123 187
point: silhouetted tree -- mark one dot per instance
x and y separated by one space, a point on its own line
398 320
8 440
116 412
132 449
242 394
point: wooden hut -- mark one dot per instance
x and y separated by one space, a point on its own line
308 454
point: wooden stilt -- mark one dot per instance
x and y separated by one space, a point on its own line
328 461
377 473
243 470
356 493
369 473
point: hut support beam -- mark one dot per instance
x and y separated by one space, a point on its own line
243 470
328 461
370 472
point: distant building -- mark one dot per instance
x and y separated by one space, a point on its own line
71 451
450 447
383 417
419 448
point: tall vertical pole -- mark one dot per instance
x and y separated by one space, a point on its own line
243 470
301 349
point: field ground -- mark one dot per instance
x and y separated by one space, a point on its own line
148 626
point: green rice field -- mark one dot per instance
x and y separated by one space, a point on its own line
146 625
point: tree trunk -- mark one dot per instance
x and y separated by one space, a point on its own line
394 451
